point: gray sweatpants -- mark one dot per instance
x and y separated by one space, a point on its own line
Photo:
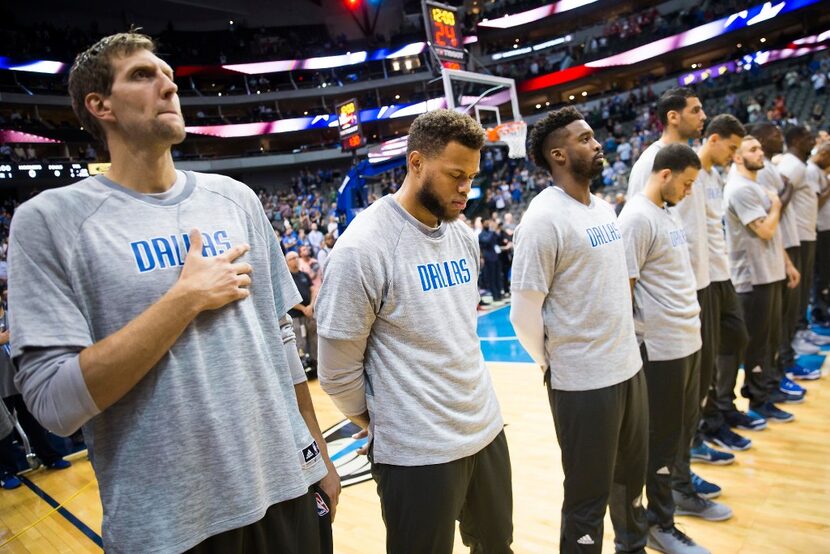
603 436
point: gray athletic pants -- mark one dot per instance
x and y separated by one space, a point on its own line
420 504
668 381
603 436
694 393
762 312
731 338
789 317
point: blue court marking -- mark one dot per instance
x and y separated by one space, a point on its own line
350 448
80 525
498 338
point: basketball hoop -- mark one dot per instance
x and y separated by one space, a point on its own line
512 133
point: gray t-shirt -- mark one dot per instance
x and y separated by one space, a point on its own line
752 260
180 457
770 178
817 179
715 231
575 255
666 312
413 291
641 170
691 212
804 203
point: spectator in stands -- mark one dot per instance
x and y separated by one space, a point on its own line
19 153
325 250
289 240
310 266
30 152
315 238
488 241
38 438
302 314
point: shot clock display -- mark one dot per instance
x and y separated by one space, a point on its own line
348 121
444 34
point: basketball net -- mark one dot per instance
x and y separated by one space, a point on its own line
512 133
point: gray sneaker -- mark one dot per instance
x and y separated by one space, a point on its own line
693 505
672 541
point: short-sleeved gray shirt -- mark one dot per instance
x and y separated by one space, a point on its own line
666 311
752 260
817 179
770 178
412 292
212 435
715 230
575 255
804 203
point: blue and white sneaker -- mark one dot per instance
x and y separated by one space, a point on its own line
772 412
727 438
749 421
791 388
9 481
815 338
707 455
804 373
704 488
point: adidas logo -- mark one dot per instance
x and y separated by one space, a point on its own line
663 471
586 539
757 369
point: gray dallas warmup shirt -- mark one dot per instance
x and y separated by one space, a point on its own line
575 255
666 312
715 230
752 260
412 293
817 179
770 178
211 436
804 203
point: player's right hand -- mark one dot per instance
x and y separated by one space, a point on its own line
216 281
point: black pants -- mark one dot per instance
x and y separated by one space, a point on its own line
34 432
603 435
731 338
493 277
294 526
821 292
420 504
762 310
709 323
805 287
789 317
668 382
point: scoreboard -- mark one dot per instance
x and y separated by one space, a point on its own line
348 122
37 171
444 34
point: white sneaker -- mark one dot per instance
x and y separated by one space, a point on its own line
673 541
803 346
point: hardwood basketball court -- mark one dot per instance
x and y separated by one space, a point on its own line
779 489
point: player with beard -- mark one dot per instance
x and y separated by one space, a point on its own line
399 353
757 264
571 308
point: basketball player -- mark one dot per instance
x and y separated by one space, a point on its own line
667 322
148 306
758 266
769 177
817 169
804 206
399 354
571 308
683 118
723 138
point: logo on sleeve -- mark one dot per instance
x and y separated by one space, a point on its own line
603 234
678 237
444 274
170 251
